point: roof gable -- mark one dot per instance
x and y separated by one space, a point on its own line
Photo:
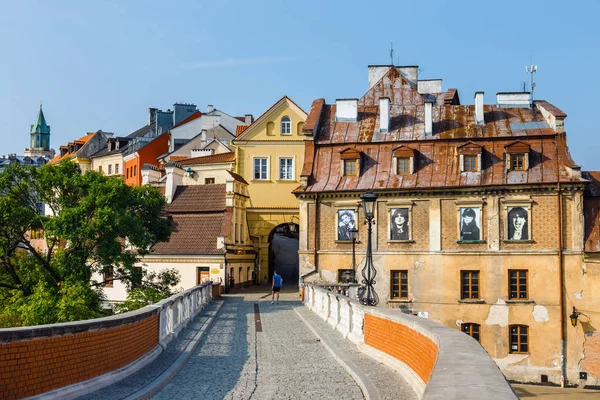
257 130
394 86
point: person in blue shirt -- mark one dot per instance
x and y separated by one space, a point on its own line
276 286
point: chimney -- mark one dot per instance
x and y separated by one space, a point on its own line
428 118
203 138
209 108
152 115
248 119
384 114
514 99
181 111
346 110
150 174
479 108
174 174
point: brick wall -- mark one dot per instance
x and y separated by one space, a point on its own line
30 367
415 350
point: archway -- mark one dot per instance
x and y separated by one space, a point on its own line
283 253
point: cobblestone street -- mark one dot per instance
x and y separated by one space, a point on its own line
276 358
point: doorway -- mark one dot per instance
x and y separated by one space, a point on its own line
283 253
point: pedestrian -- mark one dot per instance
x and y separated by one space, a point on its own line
276 286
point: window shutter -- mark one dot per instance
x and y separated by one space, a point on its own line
508 161
479 166
411 163
395 165
526 161
462 163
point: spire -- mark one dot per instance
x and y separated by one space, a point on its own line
40 125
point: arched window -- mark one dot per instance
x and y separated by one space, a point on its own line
286 126
471 330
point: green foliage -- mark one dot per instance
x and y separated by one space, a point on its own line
153 288
96 221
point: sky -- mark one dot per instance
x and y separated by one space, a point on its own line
102 64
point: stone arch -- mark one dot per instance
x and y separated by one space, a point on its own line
283 253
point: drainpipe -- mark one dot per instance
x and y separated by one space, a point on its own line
314 270
563 376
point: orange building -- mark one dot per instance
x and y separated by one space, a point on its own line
141 154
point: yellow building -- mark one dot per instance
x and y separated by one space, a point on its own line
269 156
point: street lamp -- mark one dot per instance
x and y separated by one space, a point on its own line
353 236
367 295
574 316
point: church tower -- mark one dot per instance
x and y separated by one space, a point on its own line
39 138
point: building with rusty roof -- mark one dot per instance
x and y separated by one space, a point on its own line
479 215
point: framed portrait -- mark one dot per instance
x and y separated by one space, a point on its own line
470 223
399 224
346 221
518 223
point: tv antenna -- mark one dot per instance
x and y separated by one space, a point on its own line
392 53
531 69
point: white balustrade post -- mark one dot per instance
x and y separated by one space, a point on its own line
356 334
345 316
334 307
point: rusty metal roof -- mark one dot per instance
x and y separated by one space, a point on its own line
437 162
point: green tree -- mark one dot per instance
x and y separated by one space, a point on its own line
95 221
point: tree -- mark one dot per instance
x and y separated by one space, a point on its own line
94 221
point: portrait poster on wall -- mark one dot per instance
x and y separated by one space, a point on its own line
399 224
518 223
346 222
470 223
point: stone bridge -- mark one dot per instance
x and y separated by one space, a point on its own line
241 346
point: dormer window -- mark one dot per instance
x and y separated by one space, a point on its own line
286 126
350 167
470 163
350 162
470 157
517 156
404 160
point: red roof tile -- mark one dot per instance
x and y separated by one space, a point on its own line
198 199
193 234
215 158
240 129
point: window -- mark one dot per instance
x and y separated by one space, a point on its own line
517 285
399 284
110 169
117 169
469 285
37 233
519 341
260 168
470 163
136 277
345 275
108 276
209 181
127 173
350 167
100 169
403 165
286 168
286 126
135 170
517 162
471 330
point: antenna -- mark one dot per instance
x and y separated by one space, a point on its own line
524 86
531 69
392 53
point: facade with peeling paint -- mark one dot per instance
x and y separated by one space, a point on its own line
480 217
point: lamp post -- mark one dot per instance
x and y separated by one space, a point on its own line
367 295
353 235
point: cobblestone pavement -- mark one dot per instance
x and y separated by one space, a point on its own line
284 361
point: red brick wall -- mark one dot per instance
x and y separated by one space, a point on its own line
30 367
404 344
591 349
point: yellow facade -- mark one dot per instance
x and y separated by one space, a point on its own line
269 156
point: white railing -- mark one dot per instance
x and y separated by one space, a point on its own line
178 310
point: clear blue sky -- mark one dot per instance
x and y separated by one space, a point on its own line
101 64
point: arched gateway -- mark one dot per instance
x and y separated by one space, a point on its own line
283 253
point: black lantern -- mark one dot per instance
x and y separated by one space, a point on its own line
369 200
367 294
574 316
